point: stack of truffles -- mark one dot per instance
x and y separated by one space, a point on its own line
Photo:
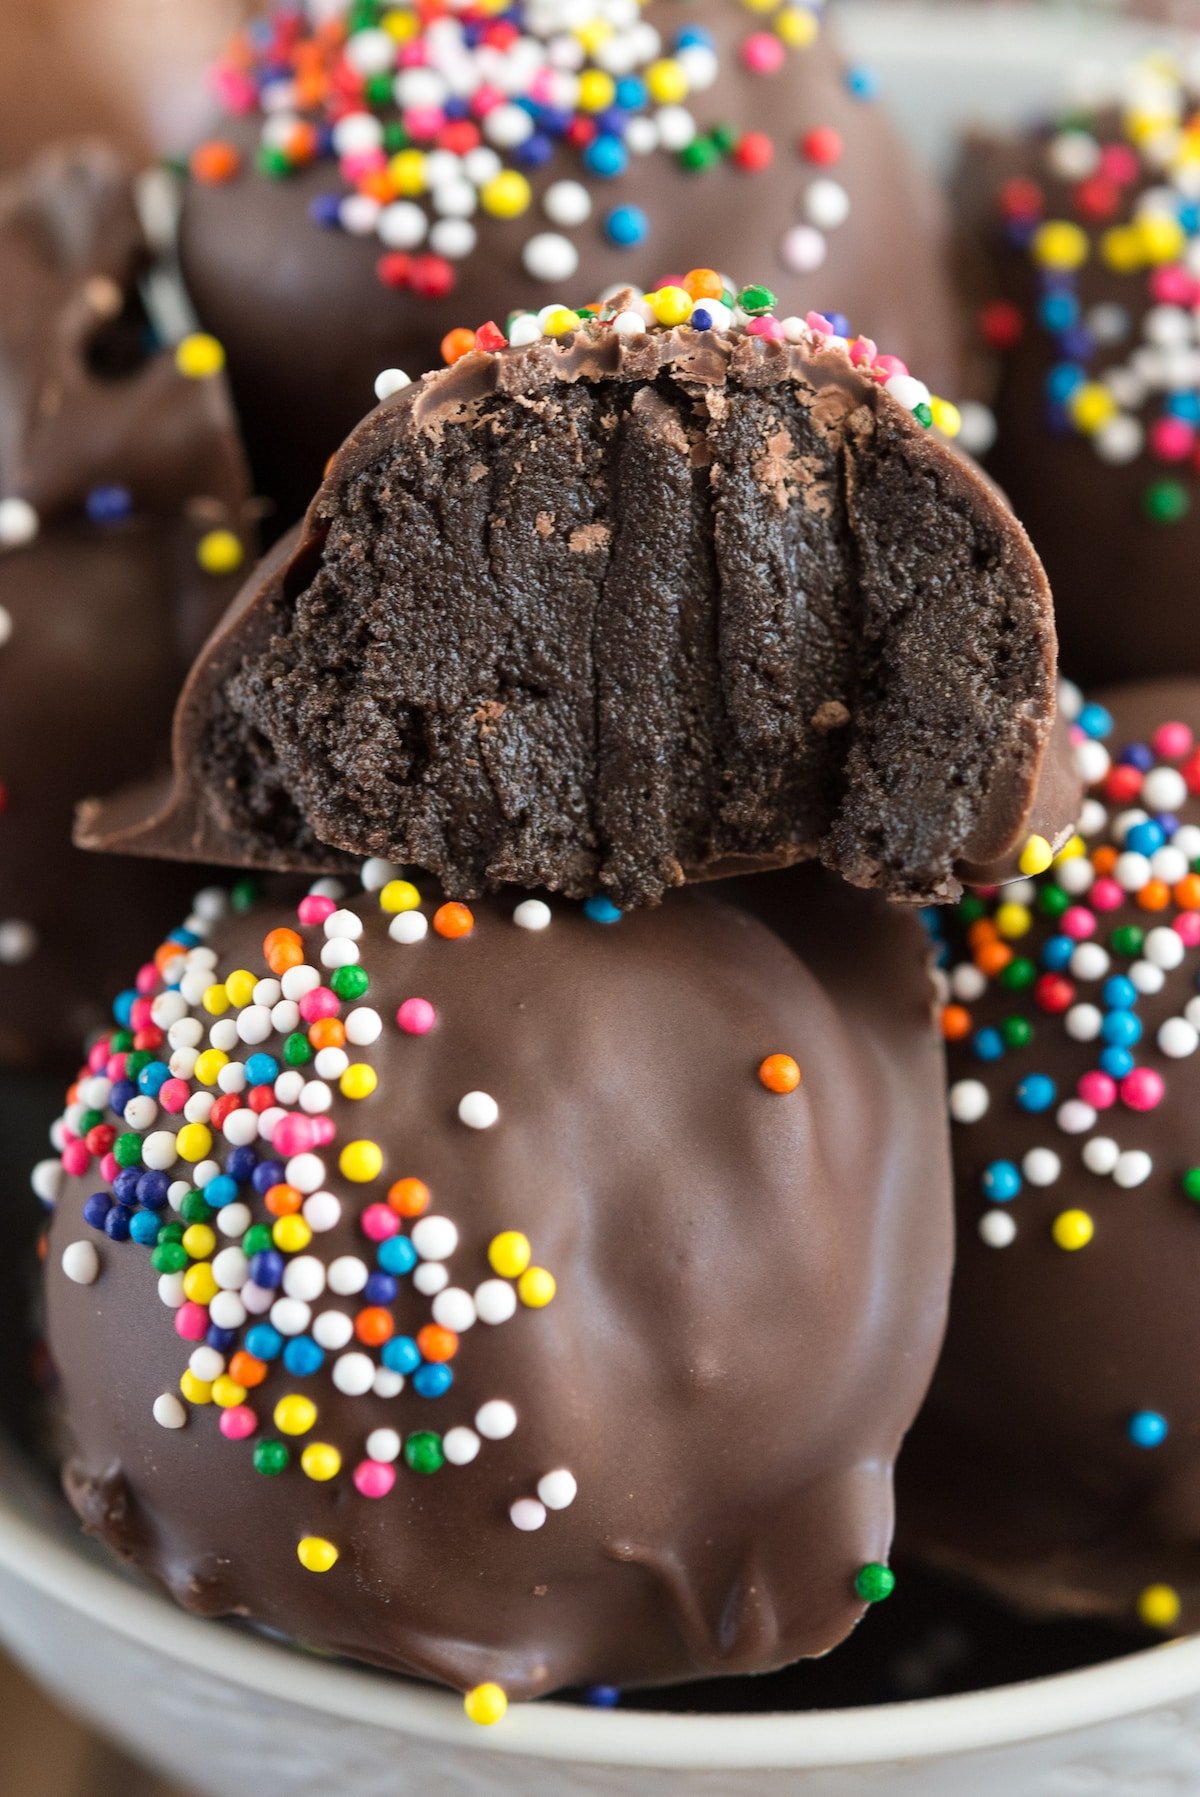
503 1231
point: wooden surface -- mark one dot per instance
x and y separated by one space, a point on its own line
46 1754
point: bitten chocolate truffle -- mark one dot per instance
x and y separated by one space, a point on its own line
1056 1462
122 524
382 178
624 606
1091 230
511 1295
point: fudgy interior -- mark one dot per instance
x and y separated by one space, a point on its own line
599 636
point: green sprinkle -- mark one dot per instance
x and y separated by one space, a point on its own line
349 982
257 1240
122 1042
273 162
127 1150
725 137
135 1062
379 90
270 1458
1019 974
702 153
756 300
1191 1183
1053 901
874 1581
297 1049
423 1452
1017 1032
244 895
1166 502
90 1120
923 415
195 1208
1127 939
971 908
169 1257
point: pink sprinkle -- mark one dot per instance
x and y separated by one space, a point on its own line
173 1094
541 88
423 122
817 323
863 352
318 1003
324 1130
416 1016
1120 163
1172 741
97 1055
234 90
315 908
109 1167
485 100
191 1321
1142 1090
1098 1090
887 366
76 1159
293 1134
238 1422
412 55
115 1069
765 327
139 1014
373 1478
1172 286
1187 927
147 979
359 164
379 1222
1171 439
763 53
1106 895
1078 923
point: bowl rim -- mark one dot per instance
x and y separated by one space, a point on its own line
927 1728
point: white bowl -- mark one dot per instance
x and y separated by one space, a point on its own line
230 1714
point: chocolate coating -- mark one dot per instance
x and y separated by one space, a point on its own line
1024 1472
276 288
119 466
1092 496
750 1295
608 612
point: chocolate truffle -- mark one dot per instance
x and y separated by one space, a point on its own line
1057 1460
513 1296
1092 232
628 605
122 520
381 179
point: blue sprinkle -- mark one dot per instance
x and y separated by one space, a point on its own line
240 1164
266 1174
433 1380
1147 1428
693 37
1122 1029
380 1288
303 1357
323 211
839 324
116 1223
220 1191
1094 721
264 1341
602 1697
96 1209
1001 1182
266 1268
123 1090
701 319
153 1078
1145 838
1116 1062
1058 311
401 1354
152 1189
631 93
1061 382
1036 1093
143 1227
606 157
108 505
1057 952
125 1185
262 1070
1138 755
220 1339
536 151
123 1006
397 1256
1119 993
601 910
1185 406
862 82
988 1045
625 226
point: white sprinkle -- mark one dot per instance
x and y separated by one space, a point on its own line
460 1445
1075 1117
495 1301
376 872
478 1110
392 380
81 1263
496 1419
968 982
298 982
6 625
290 1316
47 1180
527 1514
1147 979
386 1383
430 1278
557 1490
1164 947
567 203
304 1277
547 256
1178 1039
434 1238
170 1290
140 1112
18 523
363 1026
1133 1168
340 953
322 1212
316 1098
289 1086
997 1229
1131 871
169 1413
240 1127
1101 1155
826 204
306 1172
347 1275
227 1310
258 1299
158 1151
354 1374
402 226
969 1100
1090 962
454 1309
384 1445
230 1269
1083 1023
408 926
198 1110
18 941
1041 1166
332 1330
803 249
344 923
1164 788
532 914
331 1063
206 1364
625 324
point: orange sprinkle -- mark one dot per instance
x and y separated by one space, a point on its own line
374 1325
703 283
283 1200
245 1370
982 930
378 185
956 1023
453 921
165 954
409 1197
1187 893
1154 896
437 1343
992 958
779 1073
456 344
1104 859
301 144
215 161
282 949
327 1032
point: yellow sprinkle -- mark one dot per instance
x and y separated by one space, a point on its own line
240 987
1071 851
506 195
536 1287
295 1415
1159 1606
485 1704
216 1001
670 305
194 1141
760 5
596 89
1060 245
320 1461
946 417
559 322
227 1392
199 1240
1162 239
666 82
1091 407
199 1283
1013 920
593 34
358 1081
509 1253
1073 1229
220 552
196 1391
797 27
407 170
291 1235
1036 856
316 1554
399 895
402 26
210 1063
199 356
361 1161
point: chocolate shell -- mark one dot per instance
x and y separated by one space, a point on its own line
1056 1462
120 478
837 217
618 609
530 1297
